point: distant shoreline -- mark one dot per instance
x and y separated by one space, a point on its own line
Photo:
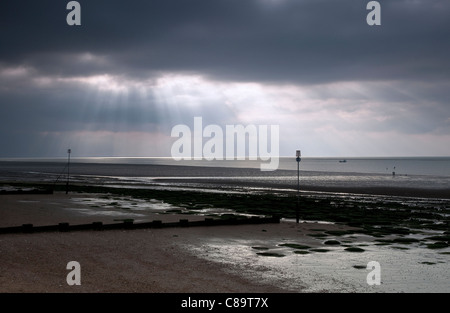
443 193
224 184
225 178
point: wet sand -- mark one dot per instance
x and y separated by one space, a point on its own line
74 208
111 261
442 193
115 261
239 258
146 260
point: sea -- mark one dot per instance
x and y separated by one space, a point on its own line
430 175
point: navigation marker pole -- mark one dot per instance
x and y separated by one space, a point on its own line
68 171
298 159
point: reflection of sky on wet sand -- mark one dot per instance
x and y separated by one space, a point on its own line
415 269
135 208
121 202
120 207
280 181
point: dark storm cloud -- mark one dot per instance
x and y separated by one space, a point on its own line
72 106
314 44
257 40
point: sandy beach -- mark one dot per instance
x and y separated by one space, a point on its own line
149 260
264 258
116 261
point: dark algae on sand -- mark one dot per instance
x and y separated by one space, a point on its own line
394 222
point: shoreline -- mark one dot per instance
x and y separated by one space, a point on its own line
231 185
182 174
443 193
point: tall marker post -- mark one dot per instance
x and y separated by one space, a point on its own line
68 171
298 159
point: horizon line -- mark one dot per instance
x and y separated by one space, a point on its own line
246 158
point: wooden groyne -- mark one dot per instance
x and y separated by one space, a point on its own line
129 224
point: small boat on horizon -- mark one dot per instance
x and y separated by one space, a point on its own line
342 161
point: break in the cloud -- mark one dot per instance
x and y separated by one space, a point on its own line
118 83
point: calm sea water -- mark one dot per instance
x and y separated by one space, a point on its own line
437 166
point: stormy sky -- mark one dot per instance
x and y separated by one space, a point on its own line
117 84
